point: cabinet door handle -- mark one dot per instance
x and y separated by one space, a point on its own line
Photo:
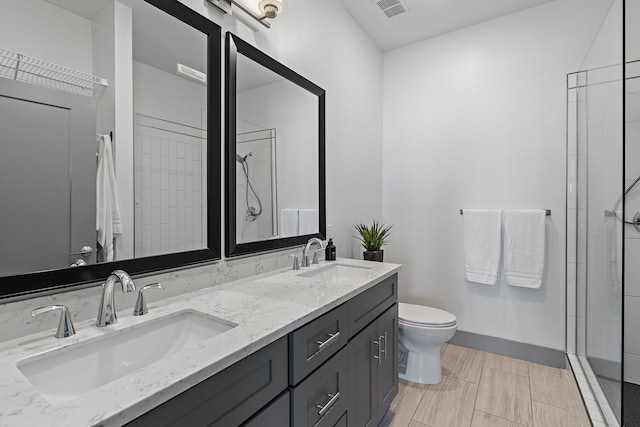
379 356
330 404
326 343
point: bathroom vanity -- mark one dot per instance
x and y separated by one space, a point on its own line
302 348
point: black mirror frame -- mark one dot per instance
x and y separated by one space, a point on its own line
235 46
64 279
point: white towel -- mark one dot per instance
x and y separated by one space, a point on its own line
108 220
524 246
288 222
309 221
482 245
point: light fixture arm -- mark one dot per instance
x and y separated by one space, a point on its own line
270 8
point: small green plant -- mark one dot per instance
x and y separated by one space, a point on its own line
373 237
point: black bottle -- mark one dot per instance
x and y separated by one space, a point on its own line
330 251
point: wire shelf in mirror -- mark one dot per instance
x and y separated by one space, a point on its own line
24 68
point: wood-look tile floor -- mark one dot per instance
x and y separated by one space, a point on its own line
481 389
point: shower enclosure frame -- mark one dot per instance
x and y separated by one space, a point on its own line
596 400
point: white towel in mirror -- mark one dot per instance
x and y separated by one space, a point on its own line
288 222
309 221
108 219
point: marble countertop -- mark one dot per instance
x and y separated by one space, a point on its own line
264 307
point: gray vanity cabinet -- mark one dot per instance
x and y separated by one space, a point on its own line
373 370
230 397
338 370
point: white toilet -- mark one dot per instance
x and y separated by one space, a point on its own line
423 332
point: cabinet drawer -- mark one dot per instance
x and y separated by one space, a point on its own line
276 414
364 308
321 399
342 422
316 342
229 397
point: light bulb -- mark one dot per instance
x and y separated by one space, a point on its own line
270 8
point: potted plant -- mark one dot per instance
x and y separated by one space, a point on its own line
372 239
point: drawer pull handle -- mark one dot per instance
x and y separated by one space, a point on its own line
379 356
330 404
385 344
324 344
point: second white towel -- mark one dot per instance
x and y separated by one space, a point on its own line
309 221
288 222
482 245
524 247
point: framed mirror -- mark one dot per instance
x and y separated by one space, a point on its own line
275 153
109 142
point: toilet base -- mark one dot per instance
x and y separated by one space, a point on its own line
423 367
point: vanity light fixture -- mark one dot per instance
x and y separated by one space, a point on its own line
269 9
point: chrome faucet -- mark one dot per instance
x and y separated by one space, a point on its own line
107 309
305 251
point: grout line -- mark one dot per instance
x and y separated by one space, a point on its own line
475 399
530 396
549 404
502 418
418 405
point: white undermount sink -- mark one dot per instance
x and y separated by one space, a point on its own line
64 375
335 273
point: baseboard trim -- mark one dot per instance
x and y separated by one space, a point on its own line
607 369
517 350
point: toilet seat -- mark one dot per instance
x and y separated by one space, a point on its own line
425 317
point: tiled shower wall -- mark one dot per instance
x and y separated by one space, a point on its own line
169 180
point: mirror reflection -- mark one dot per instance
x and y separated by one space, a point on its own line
103 149
277 160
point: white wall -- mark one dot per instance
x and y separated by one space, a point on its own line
476 119
40 29
168 96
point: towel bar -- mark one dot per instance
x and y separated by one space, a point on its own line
547 212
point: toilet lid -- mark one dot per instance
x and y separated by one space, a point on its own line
421 315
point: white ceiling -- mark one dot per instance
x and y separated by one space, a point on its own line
85 8
427 18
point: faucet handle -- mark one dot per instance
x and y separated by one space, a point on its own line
65 326
296 262
141 304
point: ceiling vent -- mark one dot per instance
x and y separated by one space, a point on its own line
392 8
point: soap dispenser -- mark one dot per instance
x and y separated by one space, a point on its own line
330 251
